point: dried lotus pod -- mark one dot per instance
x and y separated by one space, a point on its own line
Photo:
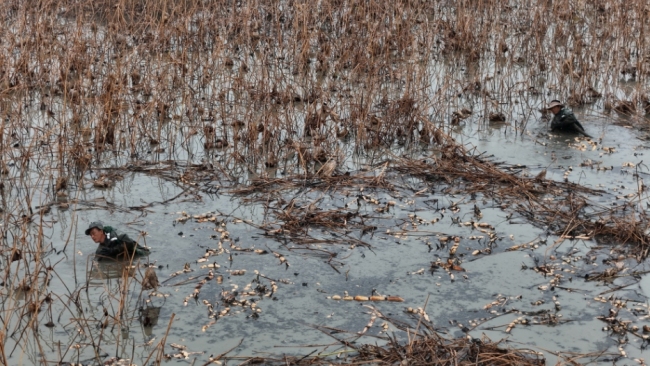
150 280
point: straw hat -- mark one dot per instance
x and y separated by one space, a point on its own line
554 103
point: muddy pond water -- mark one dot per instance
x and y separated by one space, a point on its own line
498 294
313 177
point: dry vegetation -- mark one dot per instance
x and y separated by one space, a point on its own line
248 91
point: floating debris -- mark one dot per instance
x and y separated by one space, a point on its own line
362 298
150 279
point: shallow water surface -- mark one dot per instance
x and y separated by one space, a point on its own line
300 316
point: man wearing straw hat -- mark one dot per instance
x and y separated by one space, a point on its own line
112 244
564 119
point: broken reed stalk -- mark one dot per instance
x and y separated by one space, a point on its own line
572 215
161 345
423 350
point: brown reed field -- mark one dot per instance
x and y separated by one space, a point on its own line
271 95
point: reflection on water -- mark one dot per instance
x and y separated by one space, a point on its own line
149 318
105 270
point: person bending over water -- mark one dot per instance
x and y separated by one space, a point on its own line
113 244
564 120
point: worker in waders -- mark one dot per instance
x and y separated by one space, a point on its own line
112 244
564 120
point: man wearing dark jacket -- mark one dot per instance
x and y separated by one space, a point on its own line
113 244
564 119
